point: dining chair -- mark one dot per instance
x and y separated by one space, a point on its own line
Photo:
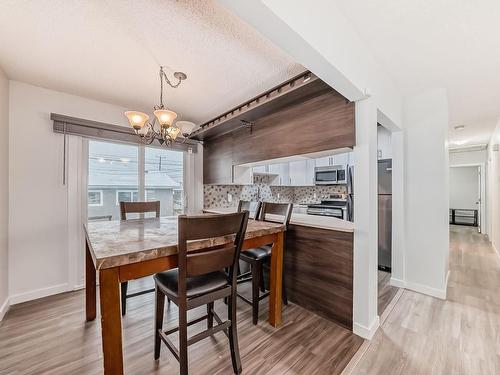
258 257
200 280
253 207
135 208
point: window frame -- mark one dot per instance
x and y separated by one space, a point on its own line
127 191
101 198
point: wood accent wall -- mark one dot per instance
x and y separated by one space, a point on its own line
323 122
319 271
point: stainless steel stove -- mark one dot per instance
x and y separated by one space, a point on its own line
334 206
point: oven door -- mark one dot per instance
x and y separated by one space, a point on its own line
337 212
325 176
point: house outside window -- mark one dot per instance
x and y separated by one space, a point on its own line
127 196
95 198
114 175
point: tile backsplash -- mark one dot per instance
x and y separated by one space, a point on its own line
217 195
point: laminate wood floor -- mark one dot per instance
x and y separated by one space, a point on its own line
50 336
426 335
386 291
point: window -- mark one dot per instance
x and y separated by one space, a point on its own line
127 196
114 172
163 176
113 168
95 198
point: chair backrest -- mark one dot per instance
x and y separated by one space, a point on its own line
280 209
138 208
252 207
211 259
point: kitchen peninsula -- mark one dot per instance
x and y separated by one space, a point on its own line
318 264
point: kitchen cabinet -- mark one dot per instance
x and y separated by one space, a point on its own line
301 173
242 175
218 161
281 170
323 162
337 159
342 159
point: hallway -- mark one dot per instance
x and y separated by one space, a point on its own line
425 335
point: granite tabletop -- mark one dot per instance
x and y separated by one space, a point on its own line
116 243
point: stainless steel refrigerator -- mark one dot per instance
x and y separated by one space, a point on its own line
385 214
350 193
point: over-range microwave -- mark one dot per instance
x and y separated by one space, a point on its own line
330 175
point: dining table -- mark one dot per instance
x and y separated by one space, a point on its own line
125 250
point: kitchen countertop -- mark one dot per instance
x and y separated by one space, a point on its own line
315 221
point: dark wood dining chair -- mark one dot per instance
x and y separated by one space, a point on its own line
200 280
135 208
258 257
253 207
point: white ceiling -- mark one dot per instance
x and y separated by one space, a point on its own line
439 43
111 51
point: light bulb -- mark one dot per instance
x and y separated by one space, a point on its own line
136 119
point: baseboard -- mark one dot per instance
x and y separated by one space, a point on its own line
4 308
398 283
38 293
366 332
496 250
419 288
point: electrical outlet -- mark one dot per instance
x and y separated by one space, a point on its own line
229 197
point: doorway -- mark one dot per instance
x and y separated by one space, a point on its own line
386 291
467 196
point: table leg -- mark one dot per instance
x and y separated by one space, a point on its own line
111 321
90 285
275 292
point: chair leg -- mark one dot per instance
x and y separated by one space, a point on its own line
262 284
124 287
160 305
183 348
256 272
233 335
210 315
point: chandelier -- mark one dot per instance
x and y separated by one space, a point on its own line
162 128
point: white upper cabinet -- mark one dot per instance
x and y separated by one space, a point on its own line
324 162
341 159
282 174
302 172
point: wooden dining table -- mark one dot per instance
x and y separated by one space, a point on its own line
127 250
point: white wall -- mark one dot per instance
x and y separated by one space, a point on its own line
426 196
45 223
384 144
365 318
464 187
493 194
4 193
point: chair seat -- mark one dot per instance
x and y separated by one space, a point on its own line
257 253
168 282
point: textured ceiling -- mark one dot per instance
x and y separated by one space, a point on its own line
438 43
110 50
